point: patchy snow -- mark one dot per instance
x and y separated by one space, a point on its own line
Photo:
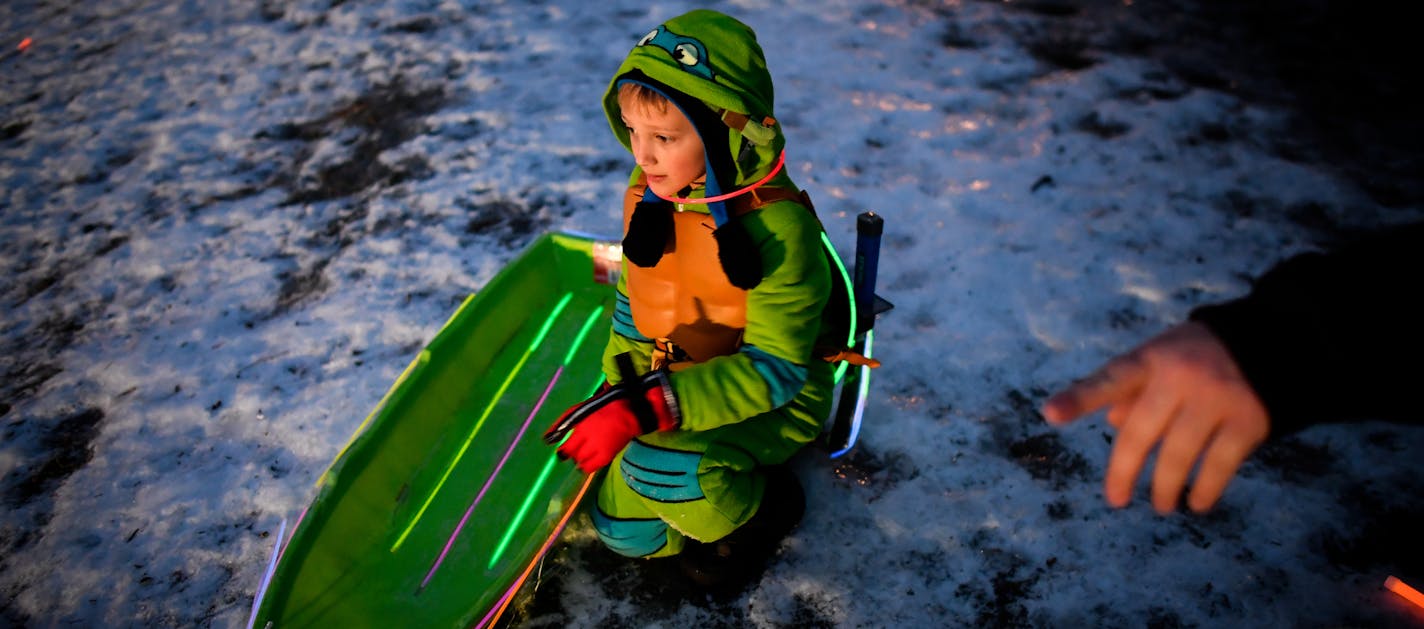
227 226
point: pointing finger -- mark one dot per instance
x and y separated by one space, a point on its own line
1111 383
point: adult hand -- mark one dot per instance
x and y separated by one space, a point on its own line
1183 394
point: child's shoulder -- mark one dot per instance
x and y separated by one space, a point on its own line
788 215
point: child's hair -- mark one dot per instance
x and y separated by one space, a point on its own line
643 96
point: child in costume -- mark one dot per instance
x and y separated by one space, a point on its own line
721 322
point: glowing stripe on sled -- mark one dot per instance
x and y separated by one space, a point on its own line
578 341
523 511
490 481
495 613
538 340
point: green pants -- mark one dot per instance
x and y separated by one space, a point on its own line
668 486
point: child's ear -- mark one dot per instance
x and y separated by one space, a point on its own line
649 233
740 259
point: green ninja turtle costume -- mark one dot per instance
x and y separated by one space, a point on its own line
725 301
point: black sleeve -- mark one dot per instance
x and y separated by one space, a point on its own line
1333 337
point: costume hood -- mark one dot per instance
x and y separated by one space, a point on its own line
715 59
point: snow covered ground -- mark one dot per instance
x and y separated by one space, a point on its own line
225 227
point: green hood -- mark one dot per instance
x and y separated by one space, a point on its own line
716 59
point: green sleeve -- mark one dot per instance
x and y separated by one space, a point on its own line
783 321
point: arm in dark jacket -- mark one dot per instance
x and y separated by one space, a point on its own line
1335 336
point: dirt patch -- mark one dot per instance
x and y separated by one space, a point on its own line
1342 68
383 118
1046 459
514 220
23 380
13 130
1295 461
1000 600
863 468
64 448
12 617
656 588
300 285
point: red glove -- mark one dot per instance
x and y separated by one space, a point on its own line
604 424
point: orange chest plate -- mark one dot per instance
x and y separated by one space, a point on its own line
686 297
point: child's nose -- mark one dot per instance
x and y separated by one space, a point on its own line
641 155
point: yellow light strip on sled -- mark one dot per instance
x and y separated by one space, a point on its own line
538 340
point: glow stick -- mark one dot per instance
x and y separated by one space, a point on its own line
861 396
780 161
1401 588
523 511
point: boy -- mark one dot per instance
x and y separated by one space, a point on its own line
721 316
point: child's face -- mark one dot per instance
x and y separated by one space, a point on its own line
665 145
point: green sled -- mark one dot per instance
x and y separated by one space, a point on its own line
446 497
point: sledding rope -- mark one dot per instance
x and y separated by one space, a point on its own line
298 523
538 340
278 551
1401 588
495 613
